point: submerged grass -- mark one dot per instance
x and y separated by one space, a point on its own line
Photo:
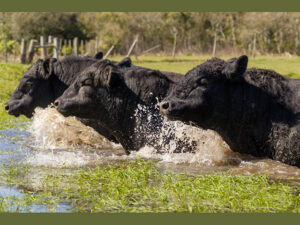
138 186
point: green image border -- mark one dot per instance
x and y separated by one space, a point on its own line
149 6
149 219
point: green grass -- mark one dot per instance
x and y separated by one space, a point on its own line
139 186
10 75
288 66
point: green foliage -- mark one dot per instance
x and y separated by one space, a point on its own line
10 46
67 49
30 25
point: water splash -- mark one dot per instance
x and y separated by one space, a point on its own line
181 143
51 130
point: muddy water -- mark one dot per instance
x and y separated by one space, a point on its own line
54 141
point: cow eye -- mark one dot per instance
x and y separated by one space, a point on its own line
87 82
27 86
203 81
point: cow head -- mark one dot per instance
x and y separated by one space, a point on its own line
205 91
95 93
33 90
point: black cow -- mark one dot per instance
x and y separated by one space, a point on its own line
46 80
256 111
112 95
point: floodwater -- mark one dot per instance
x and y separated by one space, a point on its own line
54 141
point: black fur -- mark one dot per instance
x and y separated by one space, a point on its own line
256 111
112 95
45 81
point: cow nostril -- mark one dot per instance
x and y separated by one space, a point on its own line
56 103
6 107
165 105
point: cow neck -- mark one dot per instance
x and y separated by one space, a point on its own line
128 124
58 87
249 119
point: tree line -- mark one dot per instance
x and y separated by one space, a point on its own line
180 32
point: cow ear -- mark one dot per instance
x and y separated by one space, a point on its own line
124 63
236 67
48 67
99 55
111 78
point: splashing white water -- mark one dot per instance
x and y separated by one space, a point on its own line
51 130
181 143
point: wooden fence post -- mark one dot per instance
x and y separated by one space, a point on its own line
254 46
109 51
89 47
96 46
50 39
174 44
132 46
65 48
23 51
31 50
149 50
56 43
75 46
81 48
43 47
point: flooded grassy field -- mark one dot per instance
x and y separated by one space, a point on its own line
56 164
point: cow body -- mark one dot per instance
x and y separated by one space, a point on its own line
256 111
112 96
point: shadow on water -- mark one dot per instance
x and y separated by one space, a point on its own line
49 141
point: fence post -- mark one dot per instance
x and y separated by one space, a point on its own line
109 51
132 46
60 45
81 48
56 43
96 46
50 39
254 46
31 50
75 46
174 44
90 51
23 51
43 47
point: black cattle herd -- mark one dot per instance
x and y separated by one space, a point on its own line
256 111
